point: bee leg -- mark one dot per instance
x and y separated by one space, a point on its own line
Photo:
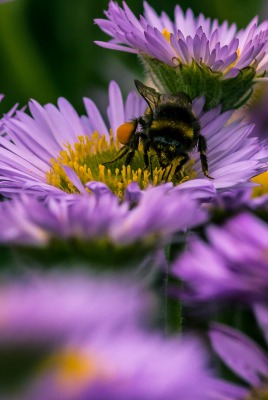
146 157
147 160
202 149
121 154
146 149
177 164
167 173
151 164
129 157
132 147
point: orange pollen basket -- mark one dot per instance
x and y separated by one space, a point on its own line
124 132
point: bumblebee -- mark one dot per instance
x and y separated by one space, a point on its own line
169 130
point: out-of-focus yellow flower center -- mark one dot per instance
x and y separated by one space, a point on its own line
72 369
166 34
258 394
262 179
86 158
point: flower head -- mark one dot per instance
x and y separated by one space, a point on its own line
213 51
221 47
56 151
231 264
135 366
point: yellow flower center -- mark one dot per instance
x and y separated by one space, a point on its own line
86 158
73 368
262 179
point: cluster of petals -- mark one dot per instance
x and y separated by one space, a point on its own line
101 216
219 46
233 155
244 357
231 264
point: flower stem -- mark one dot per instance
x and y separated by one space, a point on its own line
173 310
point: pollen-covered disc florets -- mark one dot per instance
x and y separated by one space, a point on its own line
87 158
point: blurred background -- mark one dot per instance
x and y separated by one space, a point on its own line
47 48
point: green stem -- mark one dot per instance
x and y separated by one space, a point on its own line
173 310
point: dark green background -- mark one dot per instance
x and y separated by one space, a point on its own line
47 47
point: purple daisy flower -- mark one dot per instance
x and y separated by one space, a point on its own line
135 366
231 264
220 47
198 56
244 357
56 151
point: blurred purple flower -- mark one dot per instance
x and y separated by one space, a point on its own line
231 264
244 357
232 200
50 308
94 340
135 366
221 47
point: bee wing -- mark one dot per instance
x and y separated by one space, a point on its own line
150 95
